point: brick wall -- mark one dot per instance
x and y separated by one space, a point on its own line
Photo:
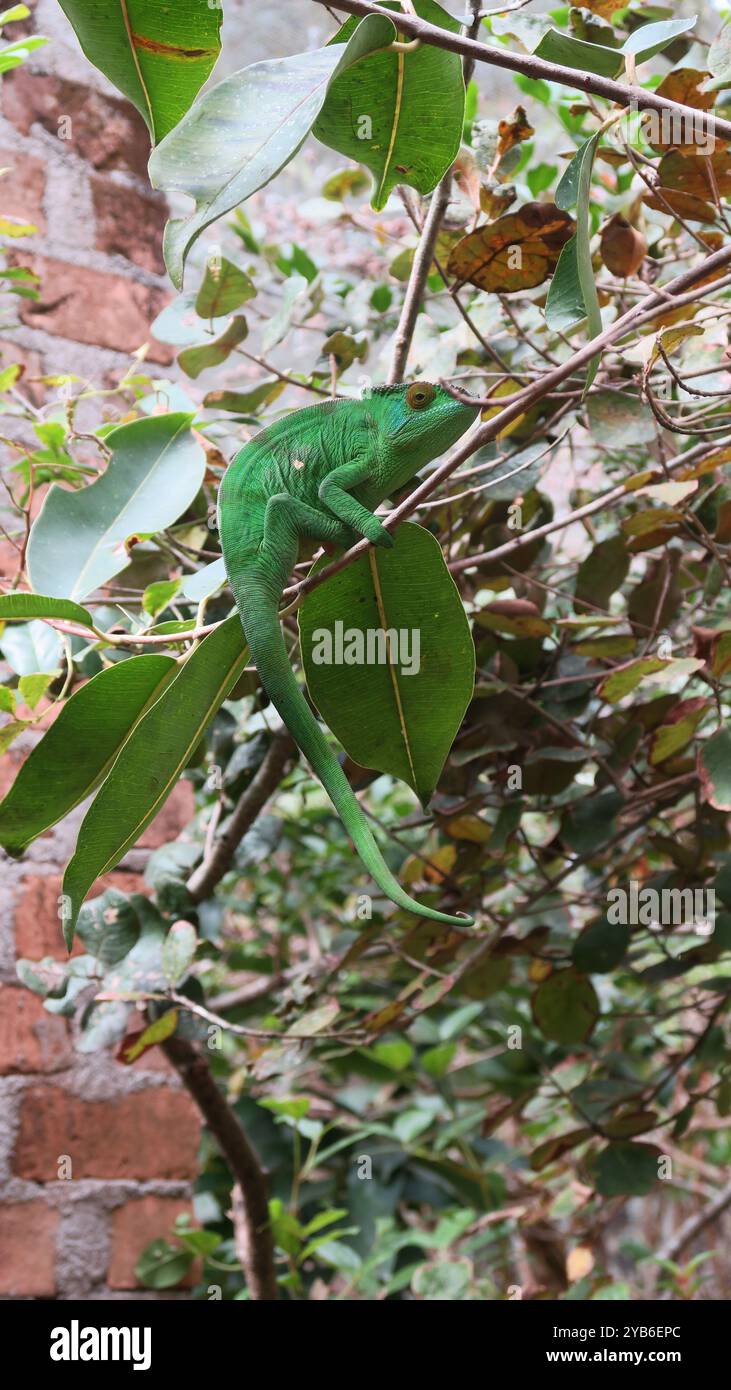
96 1158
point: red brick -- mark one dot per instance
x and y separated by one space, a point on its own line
90 306
23 187
133 1227
38 930
106 131
129 224
28 1244
173 817
150 1134
31 1039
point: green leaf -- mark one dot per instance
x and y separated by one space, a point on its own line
156 1032
157 55
649 39
204 582
620 421
79 747
178 950
245 402
400 114
565 1007
395 1055
572 294
152 759
78 540
242 132
225 288
446 1282
195 360
559 47
398 716
294 296
9 733
157 596
32 688
719 60
31 647
21 606
601 947
602 572
162 1265
715 770
626 1170
15 12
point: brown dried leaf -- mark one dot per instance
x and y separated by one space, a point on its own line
691 174
517 252
604 8
623 248
512 130
684 86
494 201
683 205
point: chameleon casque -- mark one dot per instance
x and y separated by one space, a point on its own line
319 473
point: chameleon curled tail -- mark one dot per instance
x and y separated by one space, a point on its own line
257 602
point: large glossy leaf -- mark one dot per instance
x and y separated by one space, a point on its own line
400 114
26 606
78 539
572 296
152 759
649 39
31 647
158 55
242 132
385 717
559 47
77 750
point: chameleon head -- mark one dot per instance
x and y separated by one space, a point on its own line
421 420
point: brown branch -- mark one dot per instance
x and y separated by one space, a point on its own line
531 66
677 293
425 250
418 278
203 880
695 1224
255 1245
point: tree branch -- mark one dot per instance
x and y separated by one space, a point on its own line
675 294
427 243
418 278
531 66
203 880
251 1201
695 1224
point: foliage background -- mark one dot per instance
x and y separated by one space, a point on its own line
494 1168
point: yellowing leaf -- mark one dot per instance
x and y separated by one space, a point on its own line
517 252
579 1263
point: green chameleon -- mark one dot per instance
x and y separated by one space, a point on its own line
319 473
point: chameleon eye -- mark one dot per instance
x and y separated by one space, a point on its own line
421 394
